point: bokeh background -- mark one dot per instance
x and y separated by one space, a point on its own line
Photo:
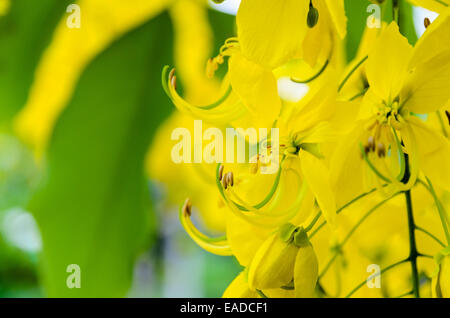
79 110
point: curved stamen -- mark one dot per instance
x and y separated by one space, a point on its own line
313 77
259 218
172 81
213 112
267 198
371 165
402 157
218 246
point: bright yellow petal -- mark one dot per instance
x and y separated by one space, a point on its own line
434 153
347 166
306 272
433 5
434 41
337 13
271 32
239 288
317 177
257 87
387 63
273 264
428 89
244 238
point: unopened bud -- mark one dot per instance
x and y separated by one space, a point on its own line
313 16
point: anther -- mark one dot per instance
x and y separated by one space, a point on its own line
371 143
187 206
426 22
173 81
230 179
221 172
313 16
381 150
172 72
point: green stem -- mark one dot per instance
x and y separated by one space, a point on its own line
418 228
405 294
313 77
395 11
351 72
413 254
260 293
313 222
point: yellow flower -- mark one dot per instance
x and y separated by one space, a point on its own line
402 80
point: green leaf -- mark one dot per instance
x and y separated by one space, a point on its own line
406 20
25 32
94 207
356 11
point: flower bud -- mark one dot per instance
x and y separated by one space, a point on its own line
313 16
306 271
273 264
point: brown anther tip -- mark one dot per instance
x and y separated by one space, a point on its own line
426 22
221 172
448 116
225 182
172 72
230 178
381 150
187 206
371 144
174 82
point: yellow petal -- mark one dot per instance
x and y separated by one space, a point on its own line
271 32
434 41
257 88
347 166
239 288
428 89
337 13
434 153
306 272
244 238
445 277
387 63
273 264
433 5
317 177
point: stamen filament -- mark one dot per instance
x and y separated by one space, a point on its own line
313 77
218 246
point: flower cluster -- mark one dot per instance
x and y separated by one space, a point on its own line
366 147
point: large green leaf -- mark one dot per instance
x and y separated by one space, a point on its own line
356 11
24 34
93 209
